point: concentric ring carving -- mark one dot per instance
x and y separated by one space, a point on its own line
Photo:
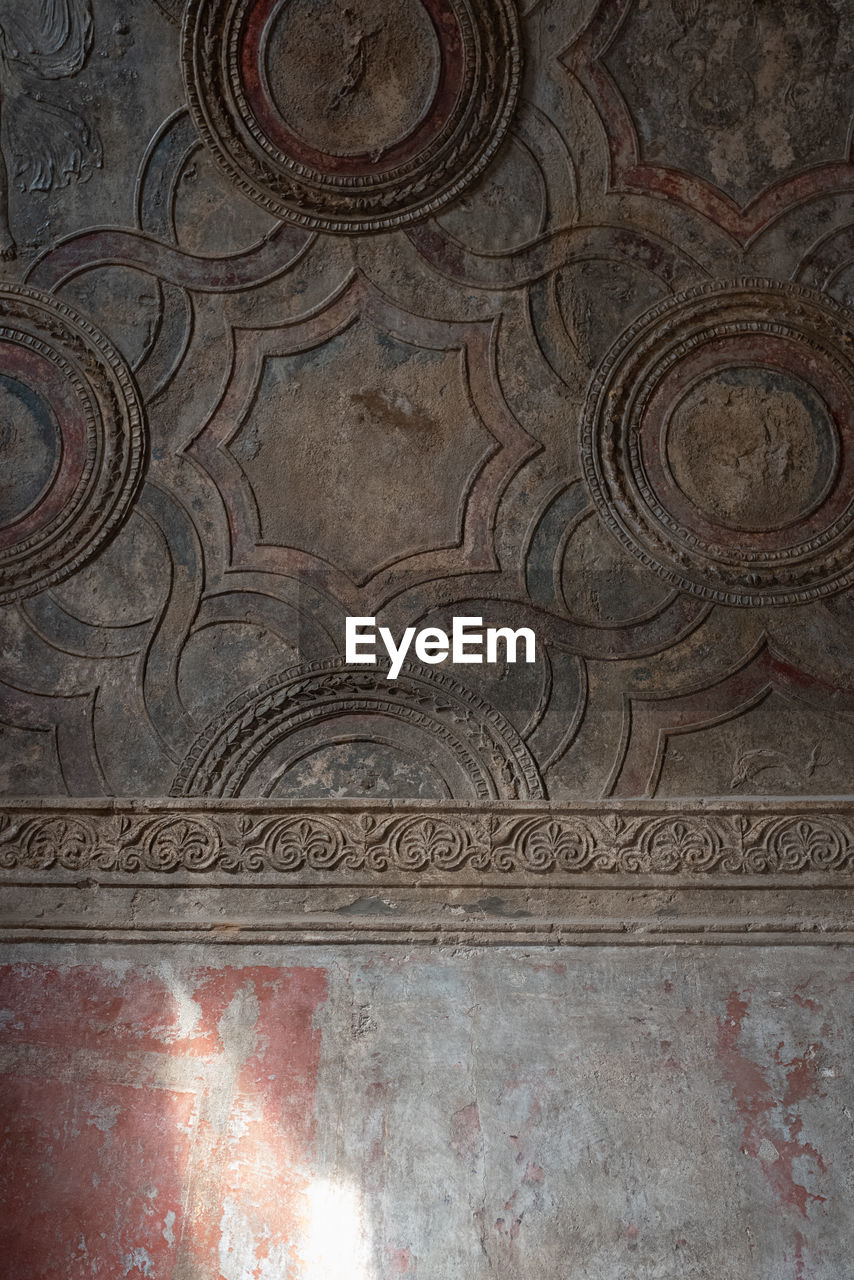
771 361
487 758
229 48
75 398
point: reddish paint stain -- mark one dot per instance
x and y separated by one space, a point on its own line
765 1117
83 1007
803 1000
400 1262
91 1179
802 1077
465 1131
258 1163
121 1093
514 1226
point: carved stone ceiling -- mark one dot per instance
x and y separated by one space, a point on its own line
535 311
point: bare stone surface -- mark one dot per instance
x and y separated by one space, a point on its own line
378 408
755 452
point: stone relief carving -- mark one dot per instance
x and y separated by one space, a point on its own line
589 373
493 839
737 112
466 746
44 143
352 118
715 442
237 872
73 436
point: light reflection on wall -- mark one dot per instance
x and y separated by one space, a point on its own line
336 1244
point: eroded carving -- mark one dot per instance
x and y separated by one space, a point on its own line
716 443
466 746
47 144
74 441
355 135
737 112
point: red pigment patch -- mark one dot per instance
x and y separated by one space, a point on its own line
85 1007
512 1226
102 1145
92 1177
400 1262
804 1001
765 1118
802 1077
466 1139
255 1161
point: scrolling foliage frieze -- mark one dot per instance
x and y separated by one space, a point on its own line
415 842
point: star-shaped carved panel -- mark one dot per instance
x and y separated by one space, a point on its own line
327 443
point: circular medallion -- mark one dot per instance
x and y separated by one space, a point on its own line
753 449
718 442
270 732
72 441
352 118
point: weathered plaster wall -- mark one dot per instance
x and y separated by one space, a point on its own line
539 311
363 1114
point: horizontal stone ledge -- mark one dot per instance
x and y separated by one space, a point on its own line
543 934
640 875
414 842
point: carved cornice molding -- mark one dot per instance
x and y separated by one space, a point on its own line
670 839
348 871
